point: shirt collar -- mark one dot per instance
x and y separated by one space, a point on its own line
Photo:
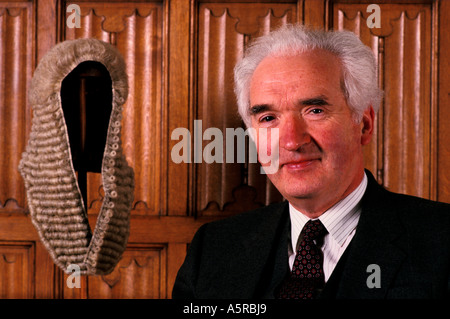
339 220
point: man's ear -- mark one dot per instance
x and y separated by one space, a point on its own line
367 125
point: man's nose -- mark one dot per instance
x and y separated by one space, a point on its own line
293 133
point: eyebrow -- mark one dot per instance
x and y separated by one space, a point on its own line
314 101
259 108
318 101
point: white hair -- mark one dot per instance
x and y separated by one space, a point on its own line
359 83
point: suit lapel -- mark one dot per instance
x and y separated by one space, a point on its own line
376 242
277 266
266 248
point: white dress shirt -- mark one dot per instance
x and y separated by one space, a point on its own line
340 222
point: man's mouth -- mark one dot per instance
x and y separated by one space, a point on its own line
299 164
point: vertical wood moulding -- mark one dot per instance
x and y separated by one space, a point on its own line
178 193
393 102
142 123
379 169
193 97
434 126
443 109
16 63
220 46
48 26
164 125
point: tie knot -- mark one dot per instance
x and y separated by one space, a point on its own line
313 230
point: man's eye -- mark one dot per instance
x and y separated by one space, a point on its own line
316 111
266 118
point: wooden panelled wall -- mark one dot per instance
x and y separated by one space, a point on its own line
180 55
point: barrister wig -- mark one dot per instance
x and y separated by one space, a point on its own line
54 198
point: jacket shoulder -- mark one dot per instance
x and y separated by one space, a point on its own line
421 216
249 218
418 205
384 200
235 228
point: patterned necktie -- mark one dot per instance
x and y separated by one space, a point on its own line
306 277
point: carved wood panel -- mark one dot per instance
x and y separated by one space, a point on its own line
223 30
401 153
16 62
136 30
16 269
141 273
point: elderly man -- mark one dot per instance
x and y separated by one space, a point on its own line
339 234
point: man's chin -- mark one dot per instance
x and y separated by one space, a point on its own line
293 196
296 187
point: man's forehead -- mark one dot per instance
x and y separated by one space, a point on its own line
304 72
317 61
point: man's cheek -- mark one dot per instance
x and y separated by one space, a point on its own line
268 149
338 148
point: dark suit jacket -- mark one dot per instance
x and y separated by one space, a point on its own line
246 256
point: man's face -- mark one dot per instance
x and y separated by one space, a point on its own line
320 144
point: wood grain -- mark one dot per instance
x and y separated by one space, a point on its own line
400 154
16 62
